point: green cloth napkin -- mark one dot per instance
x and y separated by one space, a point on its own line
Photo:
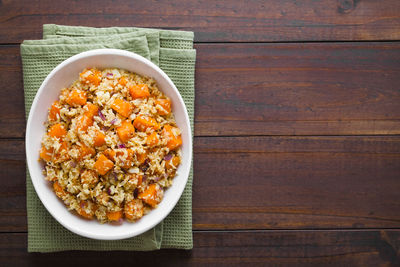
173 52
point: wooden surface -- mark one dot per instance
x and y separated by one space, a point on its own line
297 130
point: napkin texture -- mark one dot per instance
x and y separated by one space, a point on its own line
173 52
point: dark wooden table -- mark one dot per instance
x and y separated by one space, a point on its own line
296 147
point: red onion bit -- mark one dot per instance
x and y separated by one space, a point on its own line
121 146
72 164
109 75
144 178
101 115
119 222
168 157
157 178
113 121
136 192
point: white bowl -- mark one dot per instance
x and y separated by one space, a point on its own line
62 76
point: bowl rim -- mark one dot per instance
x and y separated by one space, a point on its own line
30 160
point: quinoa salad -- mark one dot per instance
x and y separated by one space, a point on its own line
112 146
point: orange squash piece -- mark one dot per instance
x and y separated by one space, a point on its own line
54 112
124 108
46 154
84 151
152 195
59 190
173 162
62 153
173 141
163 106
103 165
127 163
113 155
126 131
122 81
58 131
91 76
90 110
141 157
110 153
133 209
139 91
99 139
76 97
82 210
89 177
60 156
114 215
152 139
143 122
83 123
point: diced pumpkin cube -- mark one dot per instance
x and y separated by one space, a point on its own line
172 163
152 139
54 112
90 76
58 131
173 141
62 153
139 91
141 157
163 106
46 154
133 209
60 156
126 159
85 151
124 108
122 81
89 177
103 165
86 210
99 139
143 122
60 192
83 123
90 110
126 131
76 97
152 195
110 153
114 215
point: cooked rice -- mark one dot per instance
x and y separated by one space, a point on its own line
144 161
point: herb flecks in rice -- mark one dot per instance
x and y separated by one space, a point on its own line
112 145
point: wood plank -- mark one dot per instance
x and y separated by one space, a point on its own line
296 182
255 248
266 183
298 89
12 112
221 21
270 89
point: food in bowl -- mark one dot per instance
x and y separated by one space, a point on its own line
112 145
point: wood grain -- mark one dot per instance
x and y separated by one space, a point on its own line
256 248
218 21
266 183
270 89
298 89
